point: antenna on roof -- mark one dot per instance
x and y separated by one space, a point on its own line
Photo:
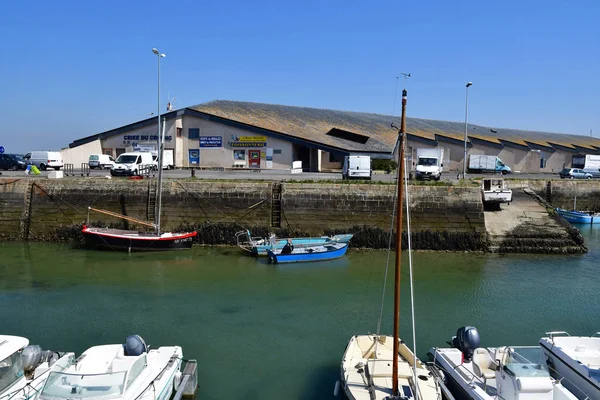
170 104
406 76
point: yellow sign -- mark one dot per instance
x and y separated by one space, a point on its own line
252 139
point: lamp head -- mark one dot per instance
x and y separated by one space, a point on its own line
469 84
155 50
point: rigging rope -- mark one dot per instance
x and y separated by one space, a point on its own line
410 267
387 261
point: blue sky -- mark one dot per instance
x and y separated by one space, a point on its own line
70 69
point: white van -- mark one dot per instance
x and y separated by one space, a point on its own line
131 164
44 159
357 167
101 161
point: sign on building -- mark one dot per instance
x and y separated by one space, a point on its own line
144 147
247 141
211 141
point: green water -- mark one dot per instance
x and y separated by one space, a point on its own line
265 332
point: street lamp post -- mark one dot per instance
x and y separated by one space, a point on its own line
158 140
466 126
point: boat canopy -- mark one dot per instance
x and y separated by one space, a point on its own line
11 344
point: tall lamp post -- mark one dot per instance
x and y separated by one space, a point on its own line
466 126
158 140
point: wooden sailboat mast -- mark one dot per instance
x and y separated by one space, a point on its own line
400 185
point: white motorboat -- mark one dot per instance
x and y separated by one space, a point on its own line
378 367
23 367
488 373
117 372
575 360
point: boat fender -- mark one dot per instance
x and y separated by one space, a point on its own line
336 389
466 340
134 346
31 357
177 380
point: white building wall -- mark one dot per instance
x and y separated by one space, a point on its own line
146 136
81 154
231 137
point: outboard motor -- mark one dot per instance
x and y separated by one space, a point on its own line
466 340
33 355
134 346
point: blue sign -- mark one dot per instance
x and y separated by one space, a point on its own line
211 141
1 149
194 157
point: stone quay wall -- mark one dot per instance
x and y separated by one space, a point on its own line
442 218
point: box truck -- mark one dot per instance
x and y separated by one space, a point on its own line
483 163
430 163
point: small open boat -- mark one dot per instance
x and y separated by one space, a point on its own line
496 373
327 251
258 246
579 217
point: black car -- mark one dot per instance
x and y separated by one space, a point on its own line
10 161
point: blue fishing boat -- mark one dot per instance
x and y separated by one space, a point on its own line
328 251
258 246
579 217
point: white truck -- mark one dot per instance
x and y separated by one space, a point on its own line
483 163
356 167
430 164
167 162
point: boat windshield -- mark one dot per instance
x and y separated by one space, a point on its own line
61 385
11 370
526 362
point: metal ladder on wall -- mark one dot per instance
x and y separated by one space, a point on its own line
151 203
276 205
26 214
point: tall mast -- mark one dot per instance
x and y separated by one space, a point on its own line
400 185
161 144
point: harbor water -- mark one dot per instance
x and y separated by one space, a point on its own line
263 331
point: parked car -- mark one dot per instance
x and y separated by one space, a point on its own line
44 159
101 161
574 173
595 172
11 161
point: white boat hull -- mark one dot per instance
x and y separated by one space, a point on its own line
576 359
373 381
105 371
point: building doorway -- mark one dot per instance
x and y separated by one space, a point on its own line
254 158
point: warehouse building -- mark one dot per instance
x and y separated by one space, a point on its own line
233 134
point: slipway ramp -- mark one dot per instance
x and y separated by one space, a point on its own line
528 225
